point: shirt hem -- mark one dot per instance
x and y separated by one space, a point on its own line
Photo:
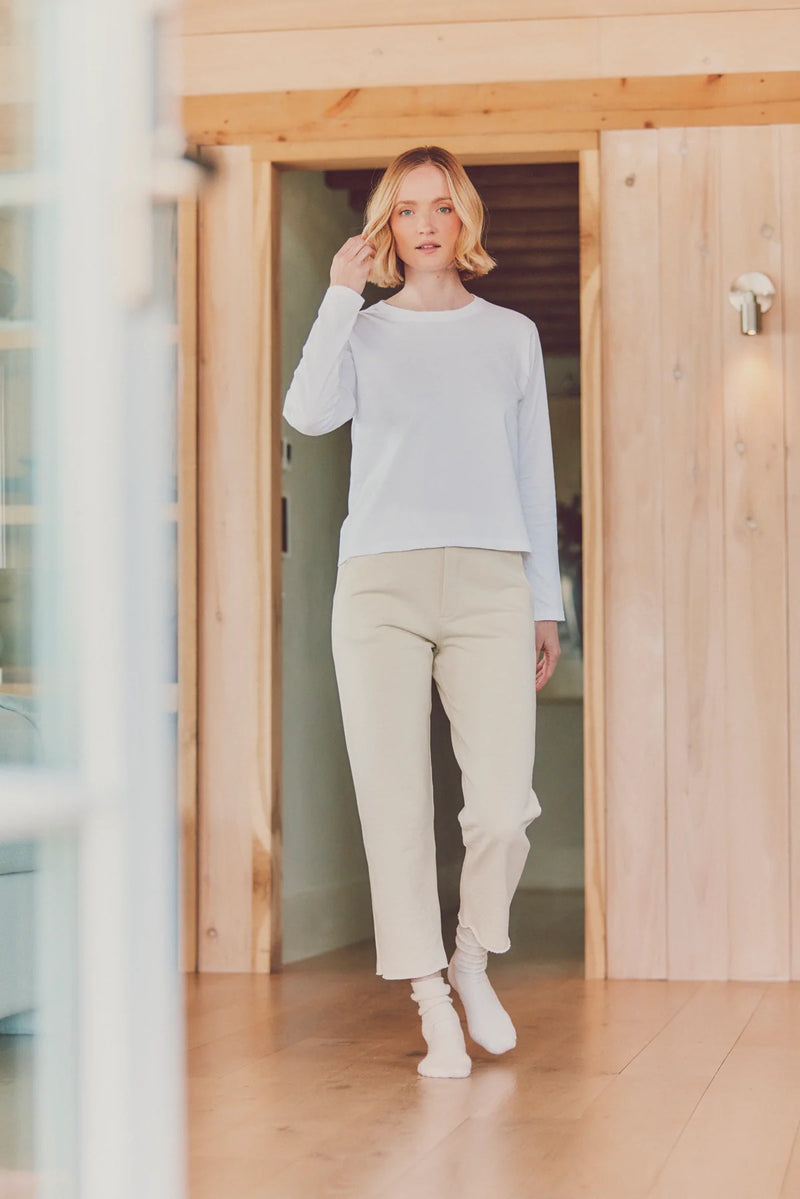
472 543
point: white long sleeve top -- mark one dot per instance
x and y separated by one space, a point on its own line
450 429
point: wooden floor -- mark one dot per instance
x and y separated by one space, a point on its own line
303 1085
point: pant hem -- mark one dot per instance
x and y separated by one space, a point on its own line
477 937
393 976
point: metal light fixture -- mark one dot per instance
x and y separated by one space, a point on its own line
752 294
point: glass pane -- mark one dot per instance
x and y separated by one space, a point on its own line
16 527
18 866
16 291
38 992
89 976
38 876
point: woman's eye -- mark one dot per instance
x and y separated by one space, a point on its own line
442 208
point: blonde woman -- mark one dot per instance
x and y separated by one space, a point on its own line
447 569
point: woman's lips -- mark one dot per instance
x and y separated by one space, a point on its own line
428 249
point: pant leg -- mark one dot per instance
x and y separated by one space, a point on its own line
485 670
383 612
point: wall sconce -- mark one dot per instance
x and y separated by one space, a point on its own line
752 294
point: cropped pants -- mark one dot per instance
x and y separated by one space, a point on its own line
463 616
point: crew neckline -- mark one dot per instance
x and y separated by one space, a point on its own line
430 314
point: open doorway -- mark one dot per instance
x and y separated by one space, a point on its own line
533 233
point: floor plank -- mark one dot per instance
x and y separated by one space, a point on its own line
739 1140
305 1083
616 1090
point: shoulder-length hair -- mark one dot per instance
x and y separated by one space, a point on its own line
471 259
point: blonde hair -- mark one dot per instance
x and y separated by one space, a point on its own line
471 259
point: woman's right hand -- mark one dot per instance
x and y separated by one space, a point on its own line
352 263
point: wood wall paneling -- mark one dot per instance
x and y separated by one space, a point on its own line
701 511
489 51
720 43
692 302
235 755
386 56
757 821
594 739
244 16
633 557
790 190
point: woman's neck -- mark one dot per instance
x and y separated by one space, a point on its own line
430 291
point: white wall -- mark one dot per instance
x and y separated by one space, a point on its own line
325 892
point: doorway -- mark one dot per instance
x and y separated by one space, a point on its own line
533 232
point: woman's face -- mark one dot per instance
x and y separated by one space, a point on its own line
424 223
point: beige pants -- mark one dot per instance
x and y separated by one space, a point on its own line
463 615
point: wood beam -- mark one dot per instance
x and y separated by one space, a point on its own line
200 17
442 112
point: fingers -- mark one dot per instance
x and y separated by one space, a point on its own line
354 246
546 665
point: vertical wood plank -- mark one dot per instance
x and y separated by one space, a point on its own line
187 579
633 514
757 821
790 223
267 839
694 665
233 786
593 575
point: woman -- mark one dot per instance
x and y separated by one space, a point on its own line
448 569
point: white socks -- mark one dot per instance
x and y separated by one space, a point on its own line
488 1022
447 1055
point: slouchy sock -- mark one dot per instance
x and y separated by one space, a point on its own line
447 1055
488 1022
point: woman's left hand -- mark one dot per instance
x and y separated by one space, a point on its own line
548 650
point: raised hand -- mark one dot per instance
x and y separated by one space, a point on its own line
352 263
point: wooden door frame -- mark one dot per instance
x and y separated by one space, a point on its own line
257 137
186 437
260 170
583 149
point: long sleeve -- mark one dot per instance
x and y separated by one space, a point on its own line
538 492
322 393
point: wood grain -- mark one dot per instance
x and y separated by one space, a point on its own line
245 16
629 1089
234 621
493 51
594 770
633 557
790 189
441 111
385 56
756 750
490 148
694 595
268 565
